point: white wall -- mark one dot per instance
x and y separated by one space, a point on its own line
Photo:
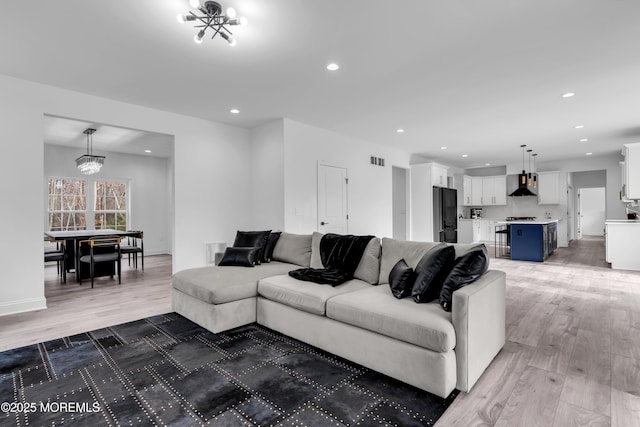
149 194
267 176
370 187
209 205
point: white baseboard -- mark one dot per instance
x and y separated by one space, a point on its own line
14 307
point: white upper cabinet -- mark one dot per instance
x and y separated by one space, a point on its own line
484 190
548 188
466 190
494 190
438 175
632 170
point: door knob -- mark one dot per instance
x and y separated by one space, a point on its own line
324 223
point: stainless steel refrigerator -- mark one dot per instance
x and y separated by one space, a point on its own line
445 211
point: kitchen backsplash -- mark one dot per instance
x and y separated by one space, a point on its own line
520 206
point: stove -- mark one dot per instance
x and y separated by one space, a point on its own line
520 218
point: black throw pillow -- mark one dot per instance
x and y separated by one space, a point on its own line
401 279
243 257
431 271
267 256
252 239
467 269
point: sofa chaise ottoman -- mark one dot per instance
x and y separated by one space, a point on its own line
360 320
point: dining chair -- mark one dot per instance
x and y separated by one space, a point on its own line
100 250
134 246
59 256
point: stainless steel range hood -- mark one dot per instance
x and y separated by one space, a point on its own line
517 186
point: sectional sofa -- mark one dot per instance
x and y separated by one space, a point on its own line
360 320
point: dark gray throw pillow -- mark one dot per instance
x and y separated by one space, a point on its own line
401 279
467 269
243 257
267 255
431 271
252 239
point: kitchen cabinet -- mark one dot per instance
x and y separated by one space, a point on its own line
466 190
438 175
548 188
533 241
484 190
494 190
469 230
621 237
632 170
424 176
476 191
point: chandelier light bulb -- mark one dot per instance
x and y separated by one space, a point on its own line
198 37
212 18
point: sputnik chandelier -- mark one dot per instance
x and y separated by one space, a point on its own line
213 18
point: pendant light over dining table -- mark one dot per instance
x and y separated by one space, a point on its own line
89 164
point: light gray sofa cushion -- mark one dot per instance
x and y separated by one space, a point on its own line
307 296
293 248
376 309
394 250
316 261
369 266
218 285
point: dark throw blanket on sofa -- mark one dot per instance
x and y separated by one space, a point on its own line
340 255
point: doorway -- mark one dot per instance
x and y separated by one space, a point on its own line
333 215
591 211
399 177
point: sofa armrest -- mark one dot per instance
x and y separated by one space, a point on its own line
478 314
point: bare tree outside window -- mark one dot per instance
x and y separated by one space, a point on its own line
110 205
67 204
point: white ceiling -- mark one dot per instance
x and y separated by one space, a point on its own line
70 133
479 77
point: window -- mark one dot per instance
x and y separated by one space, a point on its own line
67 204
110 205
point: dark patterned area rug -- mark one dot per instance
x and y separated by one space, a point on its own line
166 370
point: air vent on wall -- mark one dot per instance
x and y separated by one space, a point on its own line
378 161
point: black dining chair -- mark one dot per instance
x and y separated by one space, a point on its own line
134 246
100 250
59 256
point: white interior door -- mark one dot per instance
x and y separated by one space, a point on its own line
592 211
332 199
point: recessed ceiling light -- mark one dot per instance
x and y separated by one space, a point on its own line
234 111
465 155
333 67
568 94
443 148
147 151
584 140
487 164
579 126
588 154
400 130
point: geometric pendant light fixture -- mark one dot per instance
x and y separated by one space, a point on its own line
212 17
88 163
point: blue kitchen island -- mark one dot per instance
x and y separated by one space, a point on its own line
533 240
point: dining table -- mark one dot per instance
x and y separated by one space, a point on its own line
72 239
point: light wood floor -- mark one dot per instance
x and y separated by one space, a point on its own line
73 308
572 356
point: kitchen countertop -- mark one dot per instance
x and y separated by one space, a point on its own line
535 222
622 221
